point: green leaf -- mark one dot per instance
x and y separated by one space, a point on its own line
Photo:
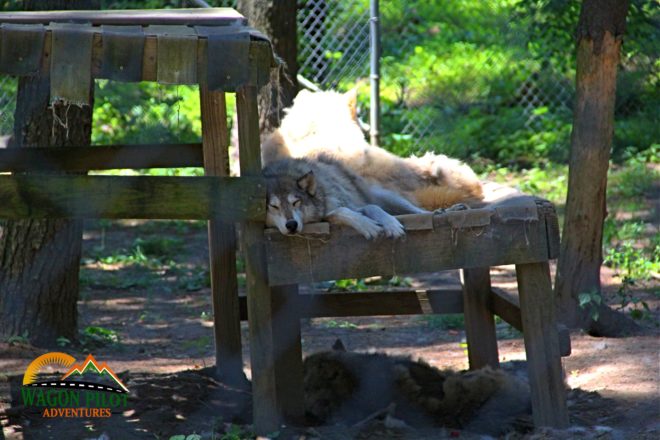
584 299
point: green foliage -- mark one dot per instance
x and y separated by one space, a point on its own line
23 339
194 280
592 301
186 437
159 246
331 323
632 261
145 112
445 322
94 337
347 285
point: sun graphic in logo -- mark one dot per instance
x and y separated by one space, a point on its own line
54 358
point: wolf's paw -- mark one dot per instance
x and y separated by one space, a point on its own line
456 207
392 228
368 228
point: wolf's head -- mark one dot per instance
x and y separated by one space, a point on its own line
292 200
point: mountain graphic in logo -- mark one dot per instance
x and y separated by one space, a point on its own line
91 371
88 375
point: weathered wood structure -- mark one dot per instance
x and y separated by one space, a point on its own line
215 49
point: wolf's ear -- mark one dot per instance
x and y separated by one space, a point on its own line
351 101
308 183
338 345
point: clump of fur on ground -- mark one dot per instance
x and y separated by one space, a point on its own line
345 387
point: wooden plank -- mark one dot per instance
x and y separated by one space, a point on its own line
551 225
191 17
260 308
260 56
346 254
537 308
507 307
222 246
288 354
105 157
379 303
373 303
479 320
52 196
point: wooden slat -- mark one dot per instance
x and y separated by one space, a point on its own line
105 157
479 319
51 196
288 354
346 254
379 303
551 225
192 17
507 307
537 308
266 417
222 245
260 56
373 303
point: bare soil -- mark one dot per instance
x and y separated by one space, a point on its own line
161 313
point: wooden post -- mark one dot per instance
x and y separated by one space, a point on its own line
537 307
479 320
259 300
222 245
288 354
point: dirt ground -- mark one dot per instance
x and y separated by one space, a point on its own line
161 313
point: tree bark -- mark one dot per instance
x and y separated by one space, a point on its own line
277 19
599 33
39 259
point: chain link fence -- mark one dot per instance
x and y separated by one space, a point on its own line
7 104
461 78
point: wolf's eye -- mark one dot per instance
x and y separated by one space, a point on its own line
275 207
296 203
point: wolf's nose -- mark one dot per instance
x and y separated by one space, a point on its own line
292 225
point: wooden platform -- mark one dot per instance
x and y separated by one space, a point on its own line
175 47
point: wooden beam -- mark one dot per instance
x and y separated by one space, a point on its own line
546 380
374 303
507 307
260 56
222 246
266 417
51 196
102 157
288 354
346 254
479 319
185 17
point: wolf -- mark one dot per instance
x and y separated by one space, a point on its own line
325 123
346 387
301 191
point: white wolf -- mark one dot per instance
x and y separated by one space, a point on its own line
325 123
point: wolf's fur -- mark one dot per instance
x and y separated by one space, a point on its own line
347 387
301 191
325 123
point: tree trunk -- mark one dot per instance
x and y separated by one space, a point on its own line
277 19
600 30
39 259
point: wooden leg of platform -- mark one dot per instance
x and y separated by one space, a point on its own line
259 300
537 307
288 353
222 246
479 319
